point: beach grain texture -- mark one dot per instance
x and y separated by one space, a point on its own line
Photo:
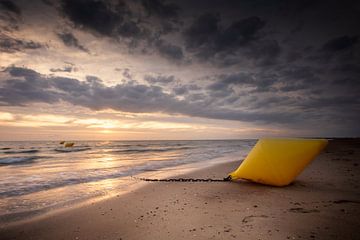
323 203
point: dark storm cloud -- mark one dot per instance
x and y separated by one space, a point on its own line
206 37
297 78
10 44
265 52
71 41
23 72
161 8
166 16
259 82
106 18
169 51
17 92
10 16
185 90
240 33
202 31
340 102
180 90
282 61
130 26
270 102
26 86
10 6
93 15
224 81
340 43
130 29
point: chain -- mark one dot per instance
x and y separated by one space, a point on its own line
227 179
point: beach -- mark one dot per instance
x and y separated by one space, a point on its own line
323 203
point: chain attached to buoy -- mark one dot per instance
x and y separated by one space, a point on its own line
227 179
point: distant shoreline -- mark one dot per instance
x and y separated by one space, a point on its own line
172 140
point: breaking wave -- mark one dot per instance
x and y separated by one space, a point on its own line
17 160
22 151
72 149
141 150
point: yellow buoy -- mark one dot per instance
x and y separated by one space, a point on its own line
278 162
69 144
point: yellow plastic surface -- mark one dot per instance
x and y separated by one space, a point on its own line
278 162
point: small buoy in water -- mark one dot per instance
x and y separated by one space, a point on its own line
69 144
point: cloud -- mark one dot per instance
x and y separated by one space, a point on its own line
92 15
10 44
10 6
23 72
126 73
26 86
340 43
169 51
160 79
164 16
265 52
240 33
259 82
225 46
103 18
130 29
68 68
126 25
161 8
71 41
260 59
202 31
180 90
17 92
225 80
65 69
10 16
205 32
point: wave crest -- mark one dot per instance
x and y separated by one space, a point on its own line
21 151
17 160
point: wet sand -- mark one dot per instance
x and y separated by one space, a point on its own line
323 203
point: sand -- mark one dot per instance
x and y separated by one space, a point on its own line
323 203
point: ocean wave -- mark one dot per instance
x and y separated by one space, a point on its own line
72 149
141 150
17 160
22 151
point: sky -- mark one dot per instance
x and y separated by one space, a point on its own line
170 70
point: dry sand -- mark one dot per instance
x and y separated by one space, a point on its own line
324 203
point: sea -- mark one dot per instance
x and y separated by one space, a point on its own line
39 177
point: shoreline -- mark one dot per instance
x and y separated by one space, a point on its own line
134 184
322 203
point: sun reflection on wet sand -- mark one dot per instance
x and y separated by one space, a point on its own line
63 180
